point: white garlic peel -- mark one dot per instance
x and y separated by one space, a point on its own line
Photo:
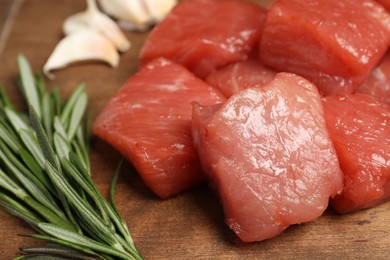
79 46
92 18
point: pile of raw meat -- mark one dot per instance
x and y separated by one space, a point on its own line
280 108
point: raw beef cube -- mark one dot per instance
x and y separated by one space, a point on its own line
385 4
240 75
268 154
334 44
149 121
203 35
378 83
359 127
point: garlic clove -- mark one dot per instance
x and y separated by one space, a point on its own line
79 46
129 26
111 30
75 23
93 18
132 11
158 9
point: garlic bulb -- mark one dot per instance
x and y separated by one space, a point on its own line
82 45
92 18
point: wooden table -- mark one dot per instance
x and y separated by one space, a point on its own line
190 225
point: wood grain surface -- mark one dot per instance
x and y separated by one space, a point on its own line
191 225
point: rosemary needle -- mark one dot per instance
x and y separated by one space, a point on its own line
45 176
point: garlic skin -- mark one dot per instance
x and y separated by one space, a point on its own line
158 9
81 45
92 18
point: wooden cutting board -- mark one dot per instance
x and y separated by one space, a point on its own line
190 225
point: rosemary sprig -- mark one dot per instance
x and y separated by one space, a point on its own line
45 176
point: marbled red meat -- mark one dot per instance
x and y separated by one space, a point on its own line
149 121
378 83
385 4
359 127
203 35
268 154
334 44
240 75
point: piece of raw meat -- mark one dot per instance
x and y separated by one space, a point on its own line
266 3
359 127
378 83
149 121
240 75
385 4
334 44
268 154
203 35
